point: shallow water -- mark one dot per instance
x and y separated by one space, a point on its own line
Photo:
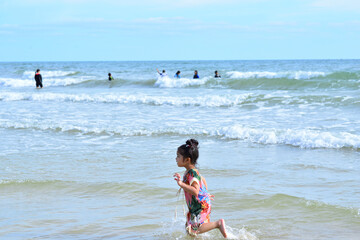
84 158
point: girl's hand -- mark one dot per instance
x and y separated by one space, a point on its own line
177 178
211 197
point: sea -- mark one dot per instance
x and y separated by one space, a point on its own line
88 158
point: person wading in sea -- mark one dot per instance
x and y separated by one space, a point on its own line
38 79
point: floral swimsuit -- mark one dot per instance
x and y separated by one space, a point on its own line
199 206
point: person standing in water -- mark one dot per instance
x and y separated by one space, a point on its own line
38 79
110 77
177 74
217 74
162 74
196 75
195 189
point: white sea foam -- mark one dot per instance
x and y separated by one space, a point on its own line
49 74
299 138
167 82
16 82
263 102
242 234
265 74
207 100
175 229
302 138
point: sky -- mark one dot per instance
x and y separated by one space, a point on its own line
136 30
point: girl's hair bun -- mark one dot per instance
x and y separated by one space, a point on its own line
190 149
192 143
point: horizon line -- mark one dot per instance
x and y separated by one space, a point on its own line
200 60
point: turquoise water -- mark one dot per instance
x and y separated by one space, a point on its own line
84 158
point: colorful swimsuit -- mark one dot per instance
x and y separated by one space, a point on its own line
199 206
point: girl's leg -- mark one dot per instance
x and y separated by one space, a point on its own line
220 224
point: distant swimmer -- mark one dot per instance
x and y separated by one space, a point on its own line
177 74
162 74
217 74
38 79
110 77
196 75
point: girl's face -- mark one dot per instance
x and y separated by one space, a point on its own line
180 160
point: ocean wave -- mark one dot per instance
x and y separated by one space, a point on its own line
292 80
231 80
284 201
207 100
85 188
303 138
267 80
265 74
290 84
17 82
264 201
13 182
167 82
50 74
228 100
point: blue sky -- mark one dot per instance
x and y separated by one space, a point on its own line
110 30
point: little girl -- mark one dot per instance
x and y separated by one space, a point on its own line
196 194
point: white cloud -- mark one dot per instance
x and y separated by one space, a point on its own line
81 20
190 3
5 32
9 26
353 5
349 24
159 20
159 3
180 25
282 24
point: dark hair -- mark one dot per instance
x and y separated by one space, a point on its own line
37 70
190 150
109 74
163 71
195 71
178 72
216 71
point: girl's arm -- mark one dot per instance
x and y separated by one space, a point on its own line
193 189
204 180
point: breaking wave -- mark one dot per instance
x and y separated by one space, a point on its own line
303 138
265 74
228 100
232 80
17 82
49 74
167 82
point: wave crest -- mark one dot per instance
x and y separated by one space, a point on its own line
49 74
265 74
213 100
16 82
303 138
167 82
207 100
